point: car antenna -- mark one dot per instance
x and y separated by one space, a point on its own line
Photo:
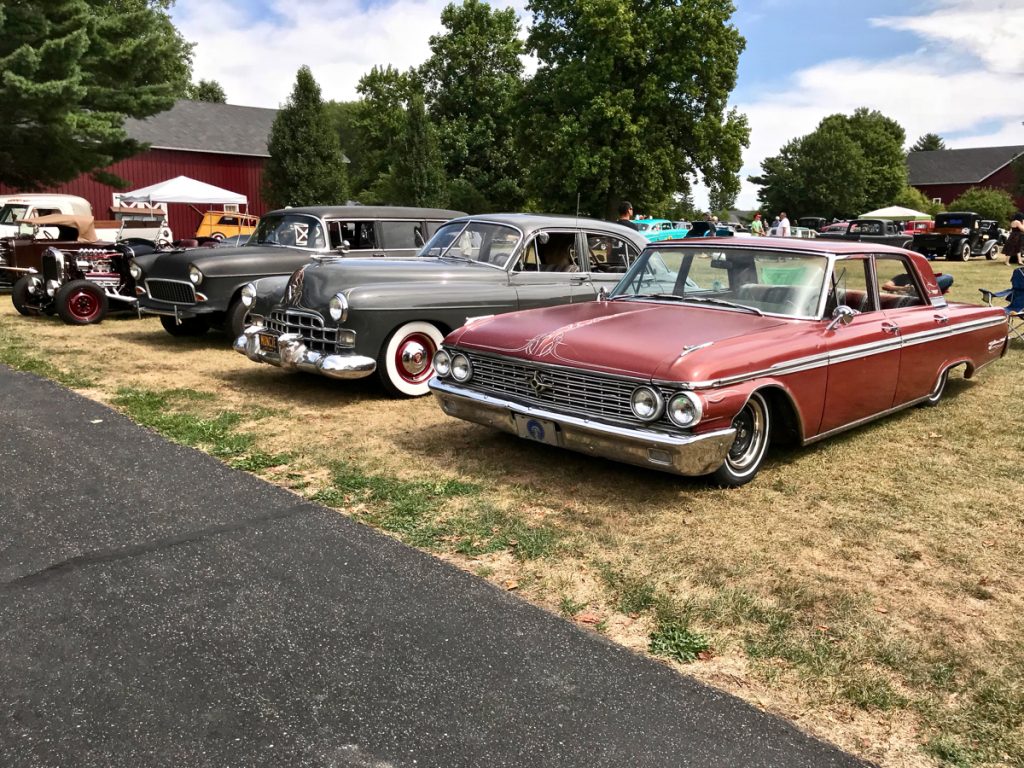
577 208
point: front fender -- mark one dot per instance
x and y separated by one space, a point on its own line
269 291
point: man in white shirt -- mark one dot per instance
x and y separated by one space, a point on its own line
784 230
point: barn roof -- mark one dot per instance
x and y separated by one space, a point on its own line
959 166
200 126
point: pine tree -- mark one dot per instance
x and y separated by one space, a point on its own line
306 166
930 142
72 72
419 177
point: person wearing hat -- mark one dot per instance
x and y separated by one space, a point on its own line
1015 241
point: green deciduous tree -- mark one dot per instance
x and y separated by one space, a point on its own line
930 142
847 165
629 101
71 72
378 126
472 80
988 202
916 200
417 175
305 165
206 90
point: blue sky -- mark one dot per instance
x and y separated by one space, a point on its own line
952 67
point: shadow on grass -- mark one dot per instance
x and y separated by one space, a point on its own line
304 389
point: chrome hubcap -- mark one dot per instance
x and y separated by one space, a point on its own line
415 358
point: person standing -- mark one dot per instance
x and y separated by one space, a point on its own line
625 214
757 226
1014 245
784 228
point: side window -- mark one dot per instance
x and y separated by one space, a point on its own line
608 253
528 261
896 284
228 220
402 234
45 211
850 287
432 227
359 234
550 252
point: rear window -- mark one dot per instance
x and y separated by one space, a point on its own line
950 221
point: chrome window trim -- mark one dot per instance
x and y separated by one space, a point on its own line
501 267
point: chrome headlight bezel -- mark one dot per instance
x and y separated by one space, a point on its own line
195 274
654 400
134 270
462 369
248 294
696 407
338 308
442 363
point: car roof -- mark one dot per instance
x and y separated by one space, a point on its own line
532 221
372 212
822 246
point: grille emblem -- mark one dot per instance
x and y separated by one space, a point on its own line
539 383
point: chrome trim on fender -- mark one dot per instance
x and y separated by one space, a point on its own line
292 354
681 454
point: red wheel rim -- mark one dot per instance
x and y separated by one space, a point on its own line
414 358
83 305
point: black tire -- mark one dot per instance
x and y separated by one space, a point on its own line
992 252
753 434
81 302
936 394
965 252
234 319
22 299
406 360
189 326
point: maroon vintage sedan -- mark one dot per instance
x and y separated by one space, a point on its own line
706 352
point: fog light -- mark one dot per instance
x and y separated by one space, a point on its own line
442 363
346 338
685 409
461 369
647 403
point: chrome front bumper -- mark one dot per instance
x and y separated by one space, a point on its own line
682 454
291 353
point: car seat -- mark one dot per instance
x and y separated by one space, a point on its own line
1015 296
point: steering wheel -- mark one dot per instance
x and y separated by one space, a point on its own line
44 235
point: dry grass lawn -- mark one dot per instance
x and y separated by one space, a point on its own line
869 588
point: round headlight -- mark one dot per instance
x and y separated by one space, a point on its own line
442 363
647 403
135 270
685 409
339 308
461 369
248 294
194 274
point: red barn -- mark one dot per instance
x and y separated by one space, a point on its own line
221 144
945 174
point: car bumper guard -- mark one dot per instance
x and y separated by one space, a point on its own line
288 351
683 454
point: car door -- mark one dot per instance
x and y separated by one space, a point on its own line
864 355
547 271
923 329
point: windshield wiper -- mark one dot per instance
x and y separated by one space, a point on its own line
722 303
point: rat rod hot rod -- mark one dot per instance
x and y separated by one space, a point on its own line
705 353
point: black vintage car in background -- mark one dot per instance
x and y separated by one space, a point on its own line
883 231
957 236
349 318
196 289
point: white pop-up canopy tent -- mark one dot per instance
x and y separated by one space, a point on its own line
896 213
182 189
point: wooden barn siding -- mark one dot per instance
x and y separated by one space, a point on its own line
1001 179
233 172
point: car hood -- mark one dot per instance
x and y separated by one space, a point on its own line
242 260
321 280
627 338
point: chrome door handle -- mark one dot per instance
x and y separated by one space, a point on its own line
577 281
890 328
941 319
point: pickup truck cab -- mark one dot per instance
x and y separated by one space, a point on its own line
14 209
881 231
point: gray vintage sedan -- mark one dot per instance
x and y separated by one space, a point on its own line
348 318
195 289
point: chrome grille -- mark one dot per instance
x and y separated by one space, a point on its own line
308 327
171 291
576 392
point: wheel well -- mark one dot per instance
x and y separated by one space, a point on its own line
784 414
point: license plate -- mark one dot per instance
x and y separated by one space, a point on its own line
540 430
268 342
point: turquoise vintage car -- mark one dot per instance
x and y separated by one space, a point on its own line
656 230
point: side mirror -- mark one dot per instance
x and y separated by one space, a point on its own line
543 238
841 315
602 295
344 247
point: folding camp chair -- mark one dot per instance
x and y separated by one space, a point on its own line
1015 309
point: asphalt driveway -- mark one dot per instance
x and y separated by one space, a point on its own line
160 609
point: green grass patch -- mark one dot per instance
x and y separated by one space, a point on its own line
17 354
675 640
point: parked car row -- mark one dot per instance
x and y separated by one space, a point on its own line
687 356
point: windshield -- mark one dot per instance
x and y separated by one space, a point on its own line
11 214
765 282
289 229
473 241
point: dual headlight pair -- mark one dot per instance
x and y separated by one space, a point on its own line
457 366
684 409
195 275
